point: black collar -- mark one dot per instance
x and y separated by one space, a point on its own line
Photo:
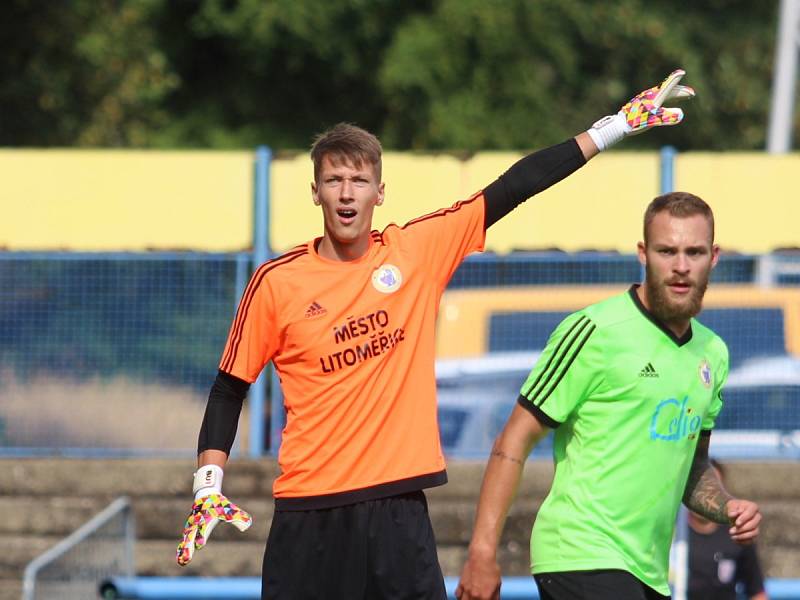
680 341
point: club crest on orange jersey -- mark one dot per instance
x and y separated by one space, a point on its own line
387 279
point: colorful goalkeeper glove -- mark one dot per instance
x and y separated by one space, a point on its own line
209 508
643 112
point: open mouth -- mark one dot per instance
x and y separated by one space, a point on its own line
346 215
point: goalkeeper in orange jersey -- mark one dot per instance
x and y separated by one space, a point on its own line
348 320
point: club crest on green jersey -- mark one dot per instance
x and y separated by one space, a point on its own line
705 373
387 278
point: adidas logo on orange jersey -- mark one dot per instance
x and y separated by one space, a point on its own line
315 310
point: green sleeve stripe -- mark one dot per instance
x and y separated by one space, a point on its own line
586 337
556 360
579 321
538 413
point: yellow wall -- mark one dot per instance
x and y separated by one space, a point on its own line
599 207
134 200
755 196
125 200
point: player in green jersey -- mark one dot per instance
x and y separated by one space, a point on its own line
632 386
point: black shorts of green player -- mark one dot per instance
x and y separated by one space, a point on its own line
604 584
382 548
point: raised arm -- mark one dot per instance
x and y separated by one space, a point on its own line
480 577
538 171
705 495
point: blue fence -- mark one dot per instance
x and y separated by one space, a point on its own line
88 339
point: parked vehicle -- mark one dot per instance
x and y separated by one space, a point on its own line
760 417
476 396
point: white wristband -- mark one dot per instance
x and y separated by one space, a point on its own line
207 480
608 131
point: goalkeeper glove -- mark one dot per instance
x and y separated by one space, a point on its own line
209 508
642 112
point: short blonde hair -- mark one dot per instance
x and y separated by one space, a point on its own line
678 204
346 143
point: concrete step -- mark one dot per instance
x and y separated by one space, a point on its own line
163 518
50 498
45 515
153 557
173 477
10 589
222 559
781 526
253 478
19 550
243 557
219 558
131 477
780 561
159 518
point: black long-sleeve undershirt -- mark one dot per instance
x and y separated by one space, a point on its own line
529 176
222 413
525 178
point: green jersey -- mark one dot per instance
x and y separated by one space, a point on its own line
629 400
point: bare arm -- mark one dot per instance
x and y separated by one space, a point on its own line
587 145
704 493
480 578
212 457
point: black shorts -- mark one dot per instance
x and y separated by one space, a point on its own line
607 584
377 549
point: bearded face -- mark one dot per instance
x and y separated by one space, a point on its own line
668 306
678 259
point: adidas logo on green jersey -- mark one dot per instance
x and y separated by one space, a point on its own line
648 371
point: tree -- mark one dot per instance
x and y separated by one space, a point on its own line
423 74
83 73
278 72
517 74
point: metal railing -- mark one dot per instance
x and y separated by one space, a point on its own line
101 548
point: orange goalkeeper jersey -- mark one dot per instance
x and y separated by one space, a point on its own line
353 344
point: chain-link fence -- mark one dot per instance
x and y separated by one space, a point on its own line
111 351
500 310
116 352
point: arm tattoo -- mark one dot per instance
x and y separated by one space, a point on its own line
704 493
503 455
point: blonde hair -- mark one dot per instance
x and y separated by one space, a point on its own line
678 204
346 143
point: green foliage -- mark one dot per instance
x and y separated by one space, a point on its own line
518 74
83 73
424 74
